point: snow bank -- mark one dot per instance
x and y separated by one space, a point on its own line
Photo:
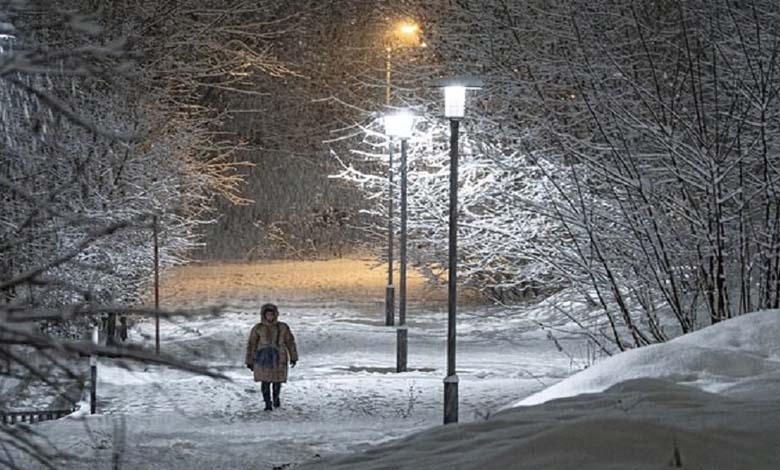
726 358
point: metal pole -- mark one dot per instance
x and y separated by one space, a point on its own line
387 75
93 372
390 290
451 381
156 288
401 332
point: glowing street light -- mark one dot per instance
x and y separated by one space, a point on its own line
401 126
405 34
408 28
454 101
455 110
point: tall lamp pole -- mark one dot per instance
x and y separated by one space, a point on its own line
390 290
406 34
155 231
401 125
401 331
451 380
454 110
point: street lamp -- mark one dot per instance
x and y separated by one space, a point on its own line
408 28
454 109
401 125
156 248
405 34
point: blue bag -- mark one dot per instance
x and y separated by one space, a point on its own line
267 357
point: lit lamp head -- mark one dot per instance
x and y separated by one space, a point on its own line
406 34
455 101
408 28
455 94
399 124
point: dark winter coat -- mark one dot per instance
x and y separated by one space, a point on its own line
271 334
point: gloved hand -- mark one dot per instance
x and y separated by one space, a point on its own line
292 363
250 367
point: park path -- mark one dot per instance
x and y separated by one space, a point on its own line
344 395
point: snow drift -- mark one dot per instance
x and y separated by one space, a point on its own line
703 401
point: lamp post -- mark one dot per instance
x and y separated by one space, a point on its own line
390 290
405 34
93 372
401 125
454 110
156 243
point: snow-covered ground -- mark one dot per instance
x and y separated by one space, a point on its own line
708 400
704 401
343 396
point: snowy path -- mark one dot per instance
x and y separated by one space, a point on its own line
343 396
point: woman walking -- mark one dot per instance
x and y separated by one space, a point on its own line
271 344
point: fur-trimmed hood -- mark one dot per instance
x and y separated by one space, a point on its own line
272 308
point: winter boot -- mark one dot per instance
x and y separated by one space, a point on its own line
277 394
266 388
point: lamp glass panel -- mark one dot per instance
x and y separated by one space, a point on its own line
399 125
454 101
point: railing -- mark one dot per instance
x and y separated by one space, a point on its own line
13 417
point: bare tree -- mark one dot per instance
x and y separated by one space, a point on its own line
103 131
651 129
